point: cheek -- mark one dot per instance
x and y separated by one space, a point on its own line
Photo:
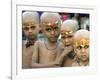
45 33
26 33
35 31
88 51
63 40
71 40
78 54
57 32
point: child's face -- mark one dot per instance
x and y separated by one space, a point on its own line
67 37
51 31
30 30
82 49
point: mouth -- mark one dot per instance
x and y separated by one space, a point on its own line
31 37
53 37
83 56
67 44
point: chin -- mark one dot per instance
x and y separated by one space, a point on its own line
53 41
84 60
67 45
31 38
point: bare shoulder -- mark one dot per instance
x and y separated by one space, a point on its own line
37 43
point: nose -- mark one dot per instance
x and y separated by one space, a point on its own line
83 50
30 30
66 40
52 32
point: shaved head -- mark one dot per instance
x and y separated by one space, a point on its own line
30 17
70 25
51 23
30 24
49 17
81 34
81 37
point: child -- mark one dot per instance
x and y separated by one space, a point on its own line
30 25
68 28
81 48
46 52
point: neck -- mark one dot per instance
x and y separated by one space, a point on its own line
51 45
32 41
83 63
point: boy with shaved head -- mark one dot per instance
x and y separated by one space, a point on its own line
30 25
81 48
68 28
46 52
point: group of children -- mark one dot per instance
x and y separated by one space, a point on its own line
72 49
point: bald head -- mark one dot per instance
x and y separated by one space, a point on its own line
30 24
81 34
81 37
70 25
30 17
50 18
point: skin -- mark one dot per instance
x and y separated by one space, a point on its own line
30 27
68 28
27 57
30 30
45 53
82 54
82 47
67 40
46 58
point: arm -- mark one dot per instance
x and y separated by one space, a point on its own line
52 64
65 52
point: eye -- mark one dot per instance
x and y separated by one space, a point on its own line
70 36
79 47
48 29
26 28
86 46
63 37
55 28
33 27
